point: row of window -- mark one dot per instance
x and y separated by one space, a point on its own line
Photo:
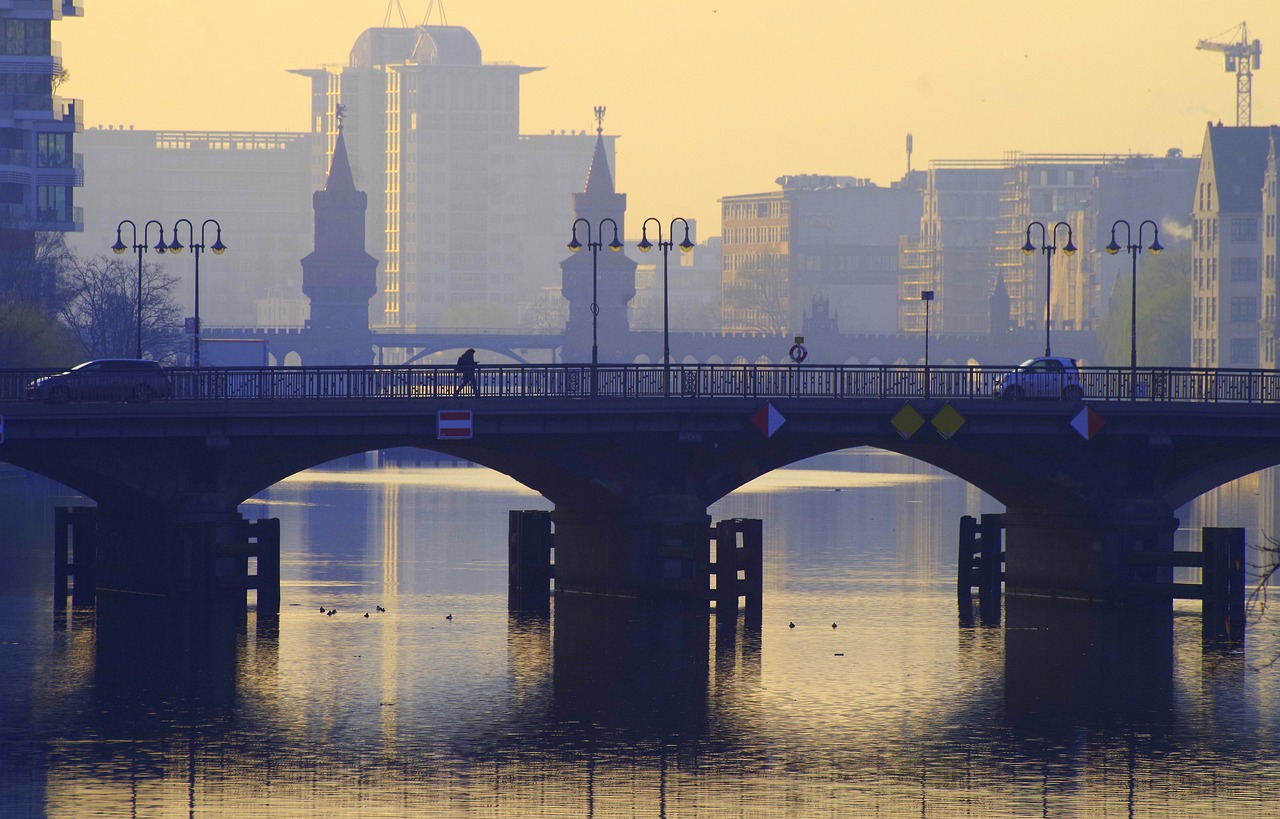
25 38
752 210
756 235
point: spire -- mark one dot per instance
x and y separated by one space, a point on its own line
599 179
340 178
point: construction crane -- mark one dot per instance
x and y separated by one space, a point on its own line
1242 57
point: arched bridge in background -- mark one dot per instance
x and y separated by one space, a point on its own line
632 456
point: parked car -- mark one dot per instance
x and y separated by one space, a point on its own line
1043 377
107 379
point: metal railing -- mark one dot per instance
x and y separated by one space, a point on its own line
701 381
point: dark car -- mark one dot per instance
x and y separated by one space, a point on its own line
107 379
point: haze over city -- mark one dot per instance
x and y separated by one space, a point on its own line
719 97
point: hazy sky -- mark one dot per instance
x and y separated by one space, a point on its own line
720 97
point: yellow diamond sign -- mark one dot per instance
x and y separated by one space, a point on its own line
907 421
948 421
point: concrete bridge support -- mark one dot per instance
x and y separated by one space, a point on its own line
656 547
202 554
1072 556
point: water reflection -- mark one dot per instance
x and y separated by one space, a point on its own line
610 709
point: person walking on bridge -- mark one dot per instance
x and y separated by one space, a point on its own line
467 367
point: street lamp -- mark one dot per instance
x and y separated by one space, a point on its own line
1134 249
196 247
926 296
119 247
574 247
1047 247
665 246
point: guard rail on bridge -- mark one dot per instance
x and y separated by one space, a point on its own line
1159 384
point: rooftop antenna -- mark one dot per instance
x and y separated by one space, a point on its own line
908 154
426 21
1242 57
386 18
599 120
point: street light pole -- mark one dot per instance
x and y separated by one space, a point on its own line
1047 247
594 246
645 246
119 247
927 297
196 248
1134 249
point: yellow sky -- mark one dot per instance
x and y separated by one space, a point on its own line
720 97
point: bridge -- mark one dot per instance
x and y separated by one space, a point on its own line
633 455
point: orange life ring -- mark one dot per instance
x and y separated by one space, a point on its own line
798 353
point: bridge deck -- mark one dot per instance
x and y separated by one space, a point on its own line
1151 384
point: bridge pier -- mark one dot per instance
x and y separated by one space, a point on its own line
199 555
656 547
1064 556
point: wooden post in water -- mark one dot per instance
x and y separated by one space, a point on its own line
980 563
1222 582
739 566
265 533
530 545
75 554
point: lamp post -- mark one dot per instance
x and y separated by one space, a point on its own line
926 296
119 247
594 246
1048 244
665 246
197 247
1134 249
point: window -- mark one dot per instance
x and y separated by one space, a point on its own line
1244 269
1244 230
1244 308
1244 351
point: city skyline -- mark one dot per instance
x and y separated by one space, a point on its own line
714 99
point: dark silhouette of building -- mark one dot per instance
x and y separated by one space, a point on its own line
614 278
338 276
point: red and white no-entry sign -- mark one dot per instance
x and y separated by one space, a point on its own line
453 424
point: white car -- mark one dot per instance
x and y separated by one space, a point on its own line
1043 377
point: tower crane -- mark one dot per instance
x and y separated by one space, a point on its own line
1242 57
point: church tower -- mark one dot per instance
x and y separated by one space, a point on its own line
615 274
338 276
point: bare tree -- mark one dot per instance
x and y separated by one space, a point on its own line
757 302
99 300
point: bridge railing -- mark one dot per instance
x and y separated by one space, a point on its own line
639 381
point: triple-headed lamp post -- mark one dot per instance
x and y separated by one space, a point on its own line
196 247
1048 244
1134 249
120 247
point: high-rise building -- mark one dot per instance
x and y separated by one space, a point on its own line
1230 232
978 215
39 169
1270 252
256 185
829 238
469 217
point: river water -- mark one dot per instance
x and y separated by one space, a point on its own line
858 695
